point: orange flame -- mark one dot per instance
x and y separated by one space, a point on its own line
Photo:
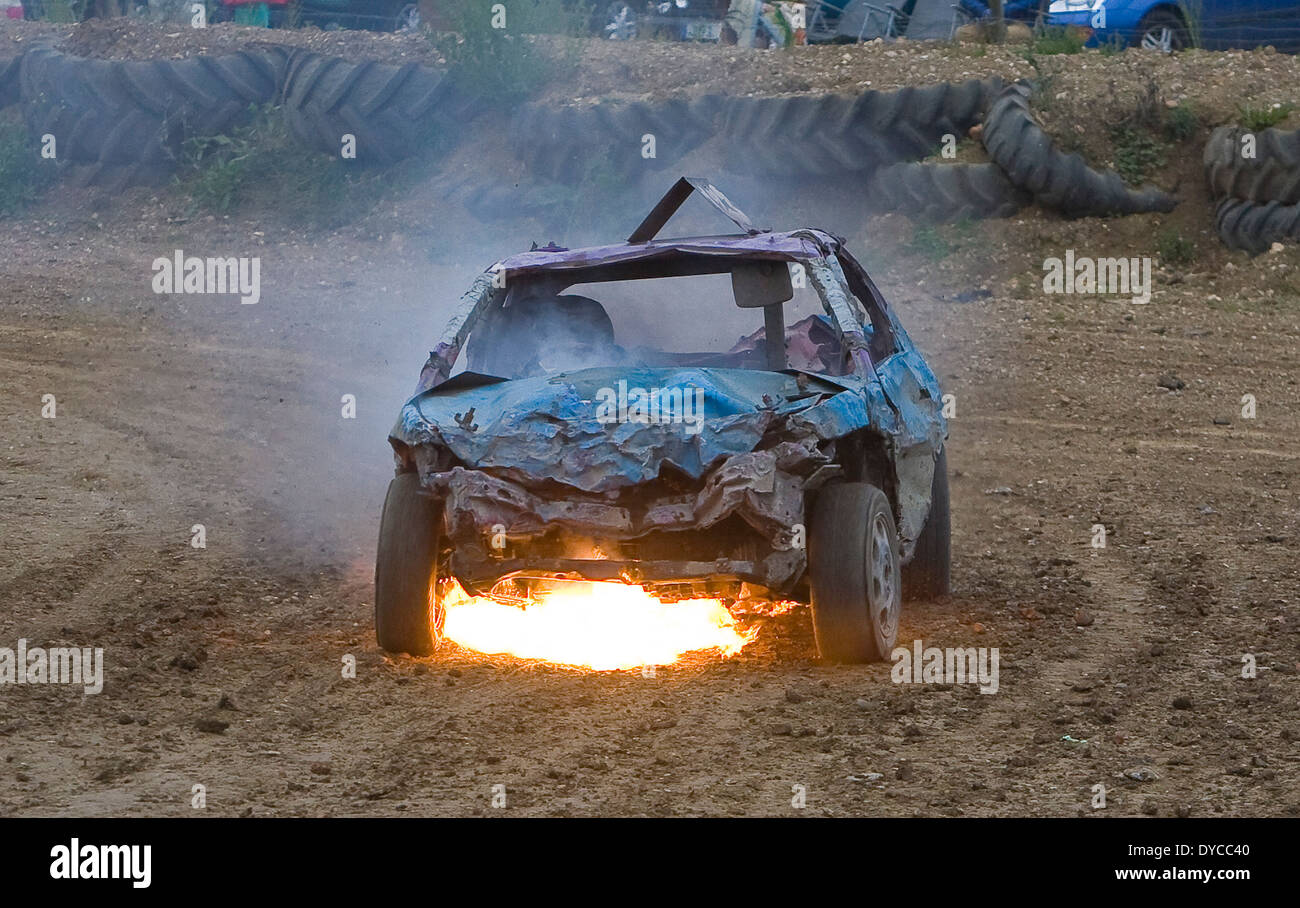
603 626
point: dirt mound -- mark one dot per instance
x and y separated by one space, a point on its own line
129 39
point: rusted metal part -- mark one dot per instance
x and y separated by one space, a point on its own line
679 193
764 488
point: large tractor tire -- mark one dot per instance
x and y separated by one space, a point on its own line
141 111
1063 182
1255 227
945 192
393 112
568 144
829 135
1272 175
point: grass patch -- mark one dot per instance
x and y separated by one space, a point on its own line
1257 118
1137 153
1182 122
260 164
936 242
1174 248
498 54
1055 40
24 174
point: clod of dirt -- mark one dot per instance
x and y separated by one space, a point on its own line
1182 702
225 702
781 729
114 768
212 726
1171 382
320 769
1142 774
1083 618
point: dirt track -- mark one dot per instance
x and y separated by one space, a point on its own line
174 411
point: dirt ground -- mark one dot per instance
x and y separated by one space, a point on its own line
223 664
175 410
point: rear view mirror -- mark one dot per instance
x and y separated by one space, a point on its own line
759 284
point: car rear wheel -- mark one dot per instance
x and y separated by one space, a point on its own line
929 574
408 617
853 573
1162 30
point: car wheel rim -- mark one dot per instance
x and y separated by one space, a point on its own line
622 24
882 593
1161 39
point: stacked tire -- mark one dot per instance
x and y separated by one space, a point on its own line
391 112
1018 145
1255 178
126 121
568 145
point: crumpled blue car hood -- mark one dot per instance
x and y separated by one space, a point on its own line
534 429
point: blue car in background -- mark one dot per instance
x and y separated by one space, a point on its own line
1169 26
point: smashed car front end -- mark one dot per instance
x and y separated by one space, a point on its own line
539 483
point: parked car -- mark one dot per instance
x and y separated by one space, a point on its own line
1168 26
812 469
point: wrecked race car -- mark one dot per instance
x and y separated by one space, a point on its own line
811 470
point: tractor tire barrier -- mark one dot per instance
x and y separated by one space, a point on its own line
945 192
1271 175
1255 226
1056 180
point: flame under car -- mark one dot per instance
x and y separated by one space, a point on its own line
811 469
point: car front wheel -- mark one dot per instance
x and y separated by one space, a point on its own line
408 616
853 573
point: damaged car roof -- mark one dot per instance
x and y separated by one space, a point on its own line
641 246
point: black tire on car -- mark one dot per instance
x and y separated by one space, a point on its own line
853 573
408 618
1159 26
929 574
